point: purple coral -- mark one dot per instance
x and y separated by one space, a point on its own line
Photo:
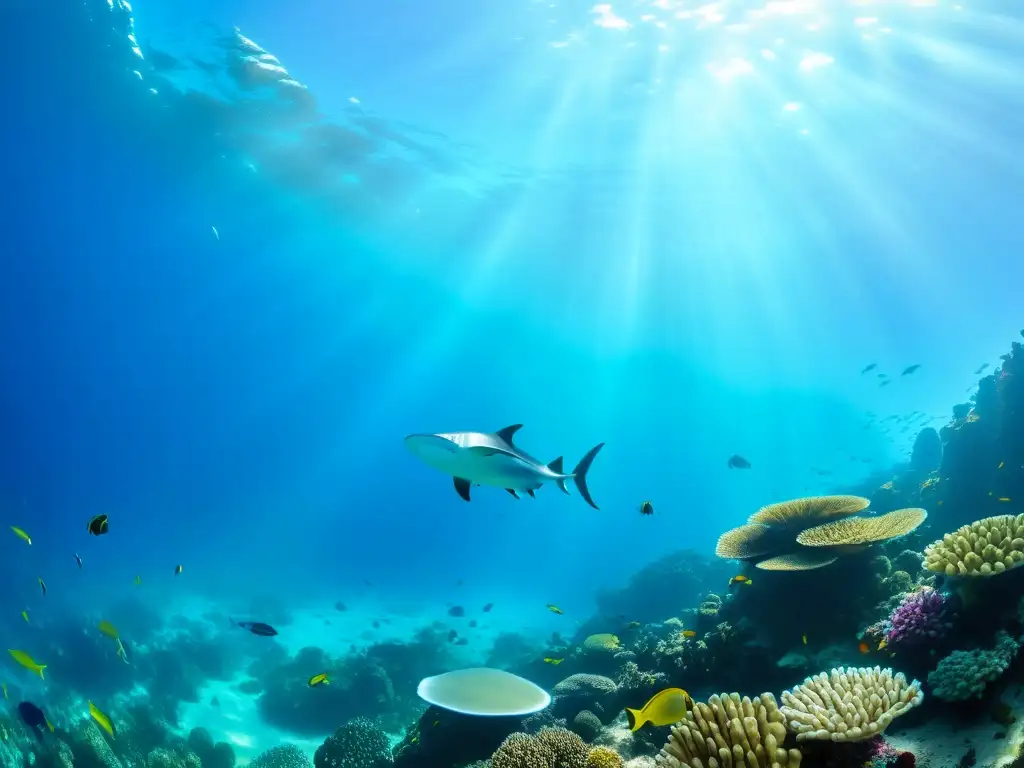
920 618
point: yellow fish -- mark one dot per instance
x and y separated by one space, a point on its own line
550 660
101 719
22 535
664 708
741 579
138 580
1004 498
108 629
554 609
882 644
320 679
49 725
804 638
27 662
24 615
688 633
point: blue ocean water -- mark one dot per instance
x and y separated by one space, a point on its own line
229 289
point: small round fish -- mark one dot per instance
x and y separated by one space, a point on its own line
483 692
320 679
98 526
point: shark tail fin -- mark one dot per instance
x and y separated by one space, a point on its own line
579 475
556 467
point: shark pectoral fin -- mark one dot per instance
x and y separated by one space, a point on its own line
513 492
508 432
530 492
556 467
462 487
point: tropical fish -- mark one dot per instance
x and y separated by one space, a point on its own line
882 644
320 679
550 660
256 627
101 719
864 647
177 570
886 383
737 462
78 560
340 606
22 535
647 508
910 369
42 585
490 458
98 525
487 608
666 707
1005 498
34 718
555 609
740 579
688 633
27 662
869 367
1001 465
24 615
138 580
456 610
804 639
108 629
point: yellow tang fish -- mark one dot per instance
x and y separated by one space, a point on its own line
22 535
102 720
24 615
882 644
320 679
688 633
554 609
550 660
1004 498
27 662
664 708
49 725
108 629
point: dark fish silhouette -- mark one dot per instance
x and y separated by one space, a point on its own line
487 608
340 606
78 560
738 462
647 508
376 624
98 525
33 717
456 610
869 368
884 383
910 369
256 627
982 368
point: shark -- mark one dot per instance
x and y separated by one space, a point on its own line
491 458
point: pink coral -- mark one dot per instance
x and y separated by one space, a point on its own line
921 618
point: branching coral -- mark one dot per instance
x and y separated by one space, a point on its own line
921 617
964 674
986 547
849 704
730 731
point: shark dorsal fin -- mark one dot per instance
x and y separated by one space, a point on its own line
509 432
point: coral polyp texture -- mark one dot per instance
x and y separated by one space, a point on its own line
848 704
809 510
986 547
730 731
863 531
797 561
921 617
964 674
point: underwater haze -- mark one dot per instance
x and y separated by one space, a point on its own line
250 247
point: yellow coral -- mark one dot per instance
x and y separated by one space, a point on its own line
730 731
602 642
602 757
745 542
848 704
809 510
798 561
861 532
986 547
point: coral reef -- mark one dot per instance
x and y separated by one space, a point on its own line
986 547
359 743
965 674
283 756
732 731
848 704
921 618
550 748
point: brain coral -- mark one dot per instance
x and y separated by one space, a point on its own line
849 704
359 743
601 643
964 674
986 547
284 756
730 731
550 748
584 685
587 725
